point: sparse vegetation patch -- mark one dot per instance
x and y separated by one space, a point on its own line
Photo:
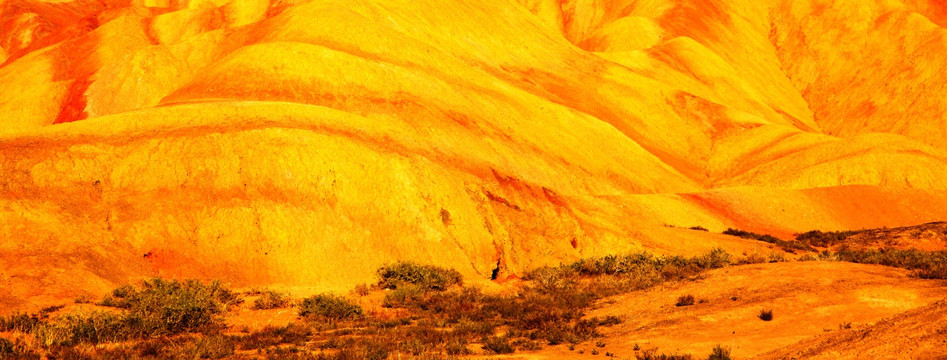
439 317
719 353
826 239
331 307
271 300
425 276
925 264
787 246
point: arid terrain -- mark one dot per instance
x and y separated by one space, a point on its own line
298 146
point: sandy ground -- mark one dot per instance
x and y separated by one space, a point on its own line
810 301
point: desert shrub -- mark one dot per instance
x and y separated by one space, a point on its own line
362 290
159 307
643 268
632 264
83 328
326 306
465 328
698 228
562 332
826 239
715 259
427 277
652 354
607 321
21 322
206 347
719 353
551 279
16 350
83 299
754 258
808 257
685 300
765 315
6 348
293 353
788 246
270 336
162 307
457 347
374 352
404 296
497 345
926 264
359 349
775 257
438 319
526 344
271 300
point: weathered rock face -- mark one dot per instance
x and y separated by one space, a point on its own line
307 142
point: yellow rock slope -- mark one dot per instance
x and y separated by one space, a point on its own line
304 143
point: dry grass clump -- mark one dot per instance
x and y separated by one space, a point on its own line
498 345
16 350
719 353
271 300
765 315
685 300
329 307
294 334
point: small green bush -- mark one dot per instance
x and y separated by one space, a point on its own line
159 307
715 259
497 345
765 315
326 306
84 328
172 307
425 276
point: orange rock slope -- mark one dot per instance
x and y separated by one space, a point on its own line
304 143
